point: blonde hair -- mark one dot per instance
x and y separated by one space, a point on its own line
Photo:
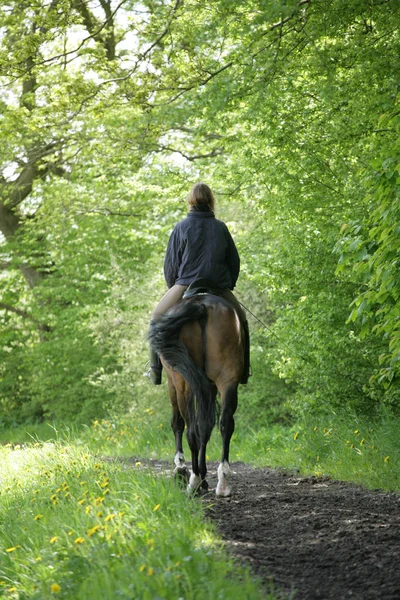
201 198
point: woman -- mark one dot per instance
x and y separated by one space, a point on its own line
200 246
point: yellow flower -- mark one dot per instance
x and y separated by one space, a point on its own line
386 459
54 539
12 549
296 435
150 571
94 529
55 588
109 517
88 509
142 568
79 540
157 506
12 589
38 517
99 500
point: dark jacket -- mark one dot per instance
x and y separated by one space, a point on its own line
201 246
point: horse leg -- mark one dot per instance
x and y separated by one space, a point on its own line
195 477
181 471
229 402
205 438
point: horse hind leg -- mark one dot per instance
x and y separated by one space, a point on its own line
181 472
227 427
195 480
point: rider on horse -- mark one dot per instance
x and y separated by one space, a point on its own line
200 247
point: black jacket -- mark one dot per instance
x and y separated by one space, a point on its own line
201 246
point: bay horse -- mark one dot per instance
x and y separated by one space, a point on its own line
200 342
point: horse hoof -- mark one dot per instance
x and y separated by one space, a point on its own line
223 492
181 475
194 486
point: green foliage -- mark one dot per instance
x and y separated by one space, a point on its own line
109 112
370 248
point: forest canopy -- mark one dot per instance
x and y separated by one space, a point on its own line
110 110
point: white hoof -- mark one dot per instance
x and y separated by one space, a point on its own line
223 488
194 484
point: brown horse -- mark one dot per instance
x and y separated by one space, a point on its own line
200 341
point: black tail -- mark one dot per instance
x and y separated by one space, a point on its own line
164 339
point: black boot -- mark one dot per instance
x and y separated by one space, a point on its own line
154 373
246 368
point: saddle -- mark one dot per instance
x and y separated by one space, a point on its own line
201 286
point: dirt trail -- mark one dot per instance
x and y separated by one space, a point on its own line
312 536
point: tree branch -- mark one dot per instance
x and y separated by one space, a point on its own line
24 315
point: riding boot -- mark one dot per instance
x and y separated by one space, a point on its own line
154 373
246 367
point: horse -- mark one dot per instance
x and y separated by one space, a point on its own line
200 341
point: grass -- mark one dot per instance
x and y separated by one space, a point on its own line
74 526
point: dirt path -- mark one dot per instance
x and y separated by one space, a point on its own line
313 537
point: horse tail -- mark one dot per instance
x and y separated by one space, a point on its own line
164 339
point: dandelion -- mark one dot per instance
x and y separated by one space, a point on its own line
79 540
94 530
386 459
138 464
99 514
142 568
54 539
157 506
55 588
12 589
150 571
38 517
296 435
109 517
99 500
12 549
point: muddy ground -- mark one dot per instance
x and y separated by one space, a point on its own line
314 538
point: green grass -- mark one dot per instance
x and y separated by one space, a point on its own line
75 526
344 447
